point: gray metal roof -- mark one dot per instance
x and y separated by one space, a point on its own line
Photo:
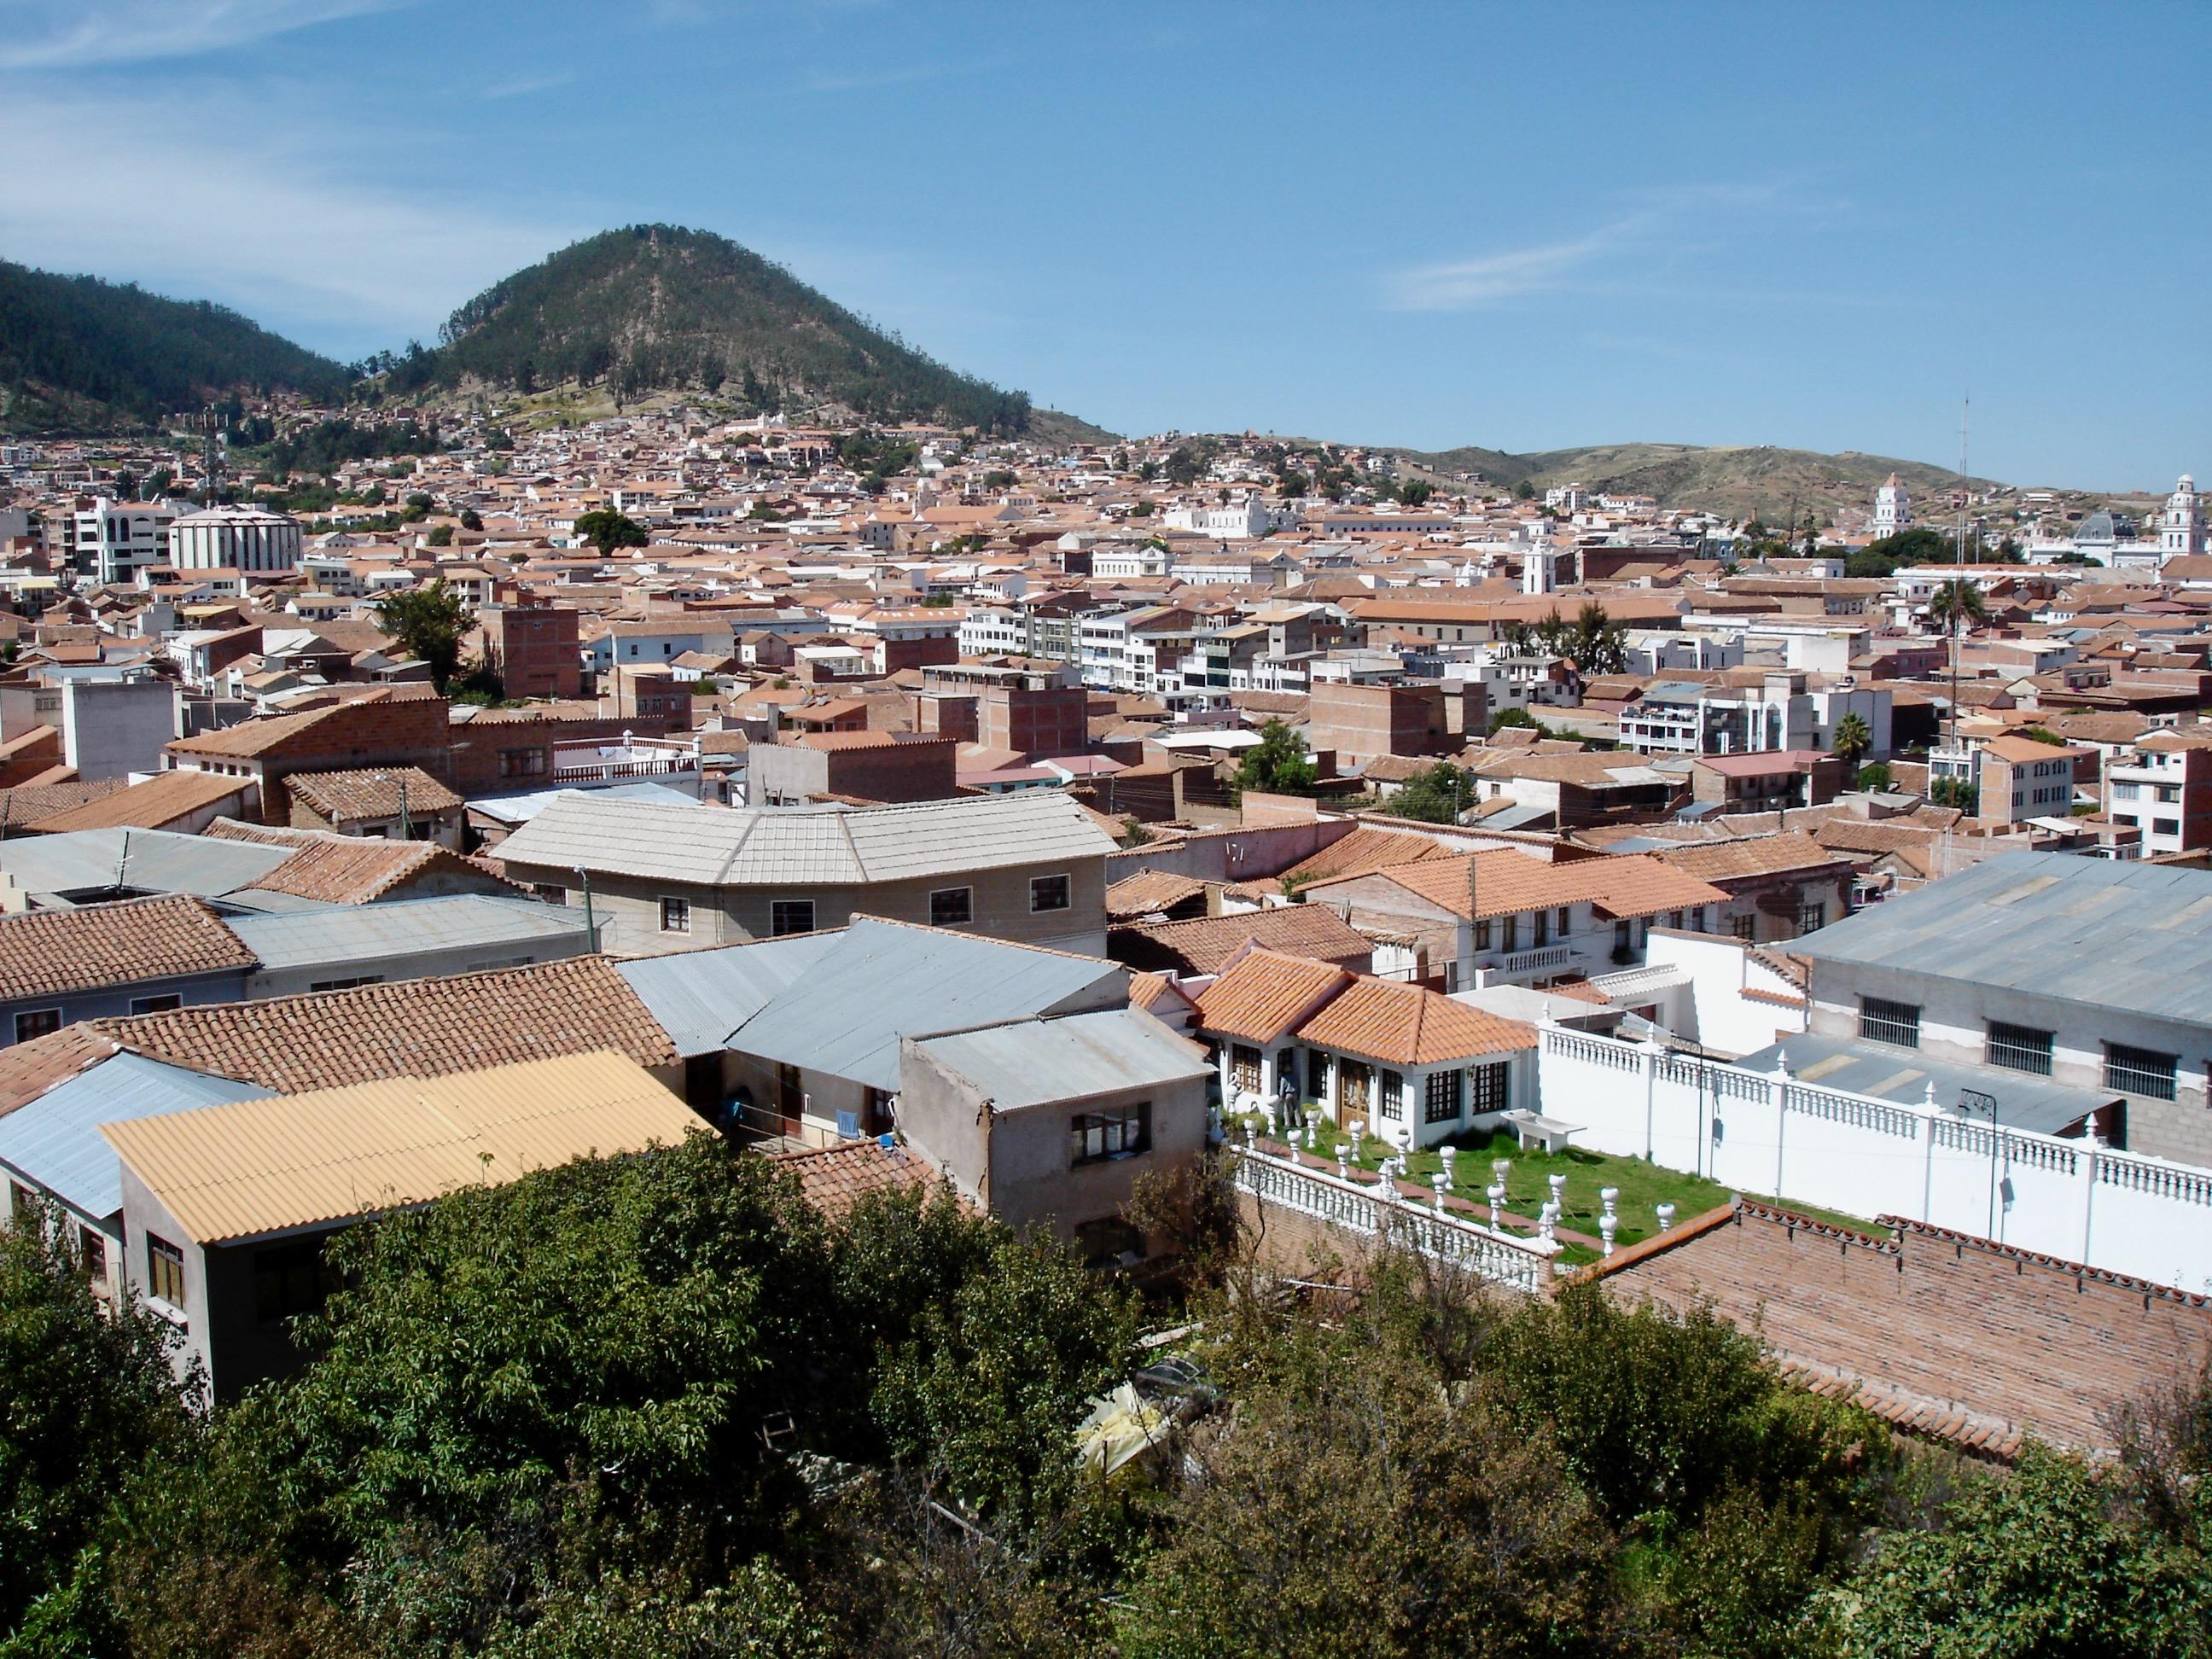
401 927
159 862
2109 932
521 809
2024 1100
1032 1061
55 1139
700 996
884 980
722 847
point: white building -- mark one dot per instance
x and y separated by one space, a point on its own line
2181 525
249 539
1236 521
113 540
1893 508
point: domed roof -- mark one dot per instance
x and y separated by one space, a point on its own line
2097 527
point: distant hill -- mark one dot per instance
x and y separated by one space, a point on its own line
657 308
1734 480
81 354
1053 426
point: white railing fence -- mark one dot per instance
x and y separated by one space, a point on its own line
1367 1210
1766 1134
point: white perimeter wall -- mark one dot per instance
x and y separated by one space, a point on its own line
1764 1134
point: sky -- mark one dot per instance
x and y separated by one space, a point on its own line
1522 226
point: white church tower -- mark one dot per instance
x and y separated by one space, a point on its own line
2181 526
1893 508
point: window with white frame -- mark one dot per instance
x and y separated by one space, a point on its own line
952 907
675 915
1391 1096
1048 893
1120 1131
1244 1068
1491 1084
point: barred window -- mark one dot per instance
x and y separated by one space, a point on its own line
2020 1048
1244 1068
1445 1091
1492 1085
1813 917
2141 1071
1390 1098
1883 1021
1744 928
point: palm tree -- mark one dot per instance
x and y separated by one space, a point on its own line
1853 738
1956 607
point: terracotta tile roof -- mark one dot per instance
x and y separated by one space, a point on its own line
1403 1024
28 803
833 1179
1507 882
411 1028
1364 850
1760 855
1264 993
156 804
1205 944
335 869
27 1070
1151 991
342 797
46 953
1149 891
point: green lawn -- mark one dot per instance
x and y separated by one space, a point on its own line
1642 1186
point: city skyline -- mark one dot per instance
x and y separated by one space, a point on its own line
1722 227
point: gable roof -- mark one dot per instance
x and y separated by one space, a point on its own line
160 800
261 1166
1792 851
343 797
55 1139
721 847
1204 944
1507 882
1264 994
335 869
833 1179
415 1028
882 980
1405 1025
49 952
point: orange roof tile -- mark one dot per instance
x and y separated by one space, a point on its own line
1507 882
155 803
833 1179
46 953
1205 944
1403 1024
1264 994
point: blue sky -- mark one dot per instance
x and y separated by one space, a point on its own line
1521 225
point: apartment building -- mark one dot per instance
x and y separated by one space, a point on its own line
1029 867
2163 785
2019 779
113 541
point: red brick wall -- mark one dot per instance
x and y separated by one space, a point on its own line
1048 720
895 772
1362 722
534 650
382 731
475 750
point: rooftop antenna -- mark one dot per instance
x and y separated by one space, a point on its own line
211 453
1965 409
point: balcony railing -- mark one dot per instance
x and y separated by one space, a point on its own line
633 757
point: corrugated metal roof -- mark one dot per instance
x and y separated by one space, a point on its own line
712 847
56 1140
1032 1061
158 861
399 927
700 996
2109 932
262 1166
2024 1100
521 809
884 980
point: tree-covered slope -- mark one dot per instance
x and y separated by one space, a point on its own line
655 308
79 353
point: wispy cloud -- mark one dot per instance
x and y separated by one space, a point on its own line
528 85
255 222
1653 219
88 33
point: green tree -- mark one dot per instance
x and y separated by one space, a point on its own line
440 536
1290 483
2052 1561
1524 491
1882 559
471 518
607 530
999 479
1957 608
86 1397
427 622
1415 493
988 1390
1278 764
1437 795
1877 777
1853 737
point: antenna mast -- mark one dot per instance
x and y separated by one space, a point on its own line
211 453
1966 411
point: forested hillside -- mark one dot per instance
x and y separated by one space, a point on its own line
78 354
655 307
